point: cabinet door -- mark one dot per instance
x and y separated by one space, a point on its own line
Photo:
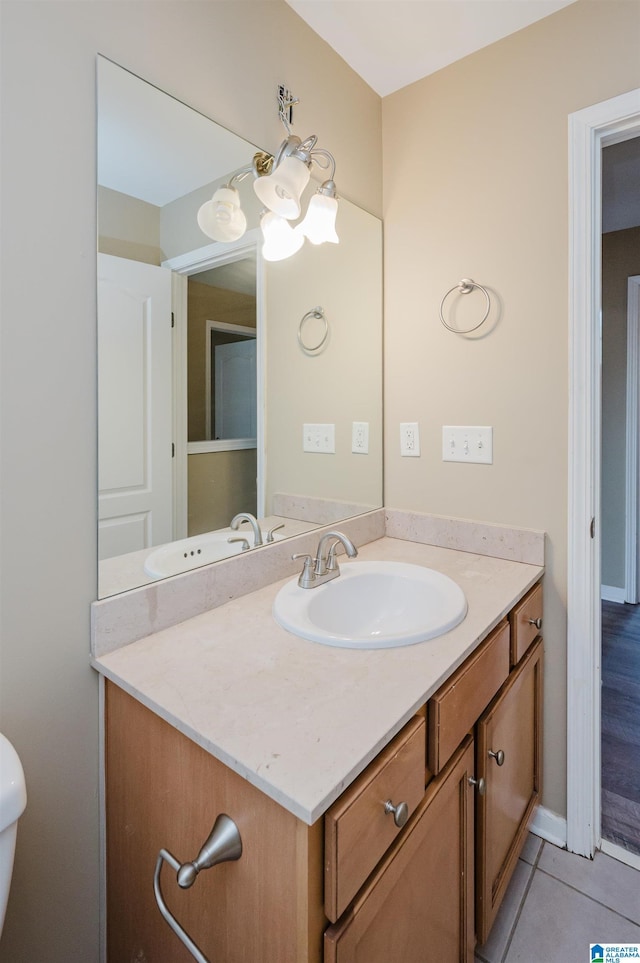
512 725
418 906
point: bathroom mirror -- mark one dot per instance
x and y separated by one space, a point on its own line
215 394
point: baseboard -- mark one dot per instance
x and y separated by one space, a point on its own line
610 593
619 853
550 826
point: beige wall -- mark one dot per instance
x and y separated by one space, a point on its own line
128 227
340 383
48 693
221 484
475 185
620 260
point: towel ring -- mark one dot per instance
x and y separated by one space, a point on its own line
466 286
317 313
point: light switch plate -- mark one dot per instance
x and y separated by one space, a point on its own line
319 438
471 443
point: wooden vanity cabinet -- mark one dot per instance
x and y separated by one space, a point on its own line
418 905
352 888
509 759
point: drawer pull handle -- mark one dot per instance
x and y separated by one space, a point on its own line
222 845
400 812
536 622
480 783
498 756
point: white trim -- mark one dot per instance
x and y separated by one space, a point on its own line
611 593
621 854
632 428
214 255
194 262
550 826
590 130
180 429
228 444
102 835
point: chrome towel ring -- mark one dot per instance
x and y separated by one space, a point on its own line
466 286
319 314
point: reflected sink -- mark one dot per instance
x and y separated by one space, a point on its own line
177 557
373 605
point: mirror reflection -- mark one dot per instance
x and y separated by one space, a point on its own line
228 385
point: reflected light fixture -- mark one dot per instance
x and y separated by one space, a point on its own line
222 218
279 183
280 239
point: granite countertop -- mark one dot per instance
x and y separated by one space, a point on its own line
297 719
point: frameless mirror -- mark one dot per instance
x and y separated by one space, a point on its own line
227 384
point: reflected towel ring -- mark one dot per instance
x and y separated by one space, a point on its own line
466 286
317 313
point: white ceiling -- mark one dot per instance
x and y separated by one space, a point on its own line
392 43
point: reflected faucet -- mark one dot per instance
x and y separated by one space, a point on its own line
324 566
237 520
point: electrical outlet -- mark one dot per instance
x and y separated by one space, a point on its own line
472 443
360 437
409 439
319 438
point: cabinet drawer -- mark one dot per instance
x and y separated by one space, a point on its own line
358 831
525 618
454 709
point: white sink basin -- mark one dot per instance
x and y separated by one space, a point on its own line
188 553
373 605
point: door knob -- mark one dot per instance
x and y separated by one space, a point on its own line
498 756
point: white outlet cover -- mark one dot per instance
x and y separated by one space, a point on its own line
468 443
409 439
360 438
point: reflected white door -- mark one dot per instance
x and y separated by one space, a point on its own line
134 405
235 390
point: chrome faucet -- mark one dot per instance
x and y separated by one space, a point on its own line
237 520
324 566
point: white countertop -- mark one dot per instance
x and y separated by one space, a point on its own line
297 719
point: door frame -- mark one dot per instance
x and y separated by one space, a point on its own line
590 130
183 266
632 494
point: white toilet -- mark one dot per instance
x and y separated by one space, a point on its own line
13 799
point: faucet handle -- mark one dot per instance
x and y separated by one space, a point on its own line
276 528
245 546
307 575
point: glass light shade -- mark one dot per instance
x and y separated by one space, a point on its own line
221 218
319 224
280 239
280 191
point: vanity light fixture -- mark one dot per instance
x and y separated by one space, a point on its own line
279 183
280 239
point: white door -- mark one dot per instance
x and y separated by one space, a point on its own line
235 390
134 406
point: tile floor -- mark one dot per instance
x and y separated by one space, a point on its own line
558 903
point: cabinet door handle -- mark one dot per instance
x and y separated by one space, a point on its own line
479 783
222 845
400 812
498 756
536 622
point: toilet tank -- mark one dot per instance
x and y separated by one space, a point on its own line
13 799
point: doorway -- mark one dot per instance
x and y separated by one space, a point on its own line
590 131
620 713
